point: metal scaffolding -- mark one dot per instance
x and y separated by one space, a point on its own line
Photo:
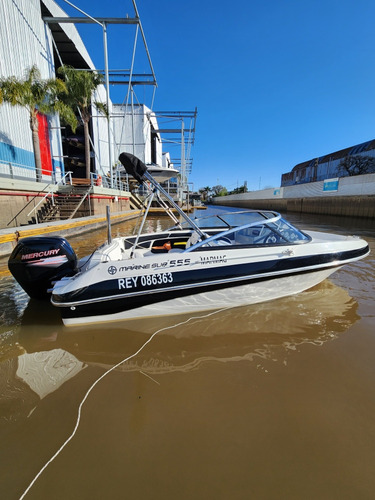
181 134
104 22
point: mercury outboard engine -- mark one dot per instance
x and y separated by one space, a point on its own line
38 261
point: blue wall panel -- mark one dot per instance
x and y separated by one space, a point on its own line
9 153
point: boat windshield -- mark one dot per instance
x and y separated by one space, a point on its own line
247 228
230 219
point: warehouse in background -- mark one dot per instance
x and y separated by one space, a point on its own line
39 32
340 183
355 160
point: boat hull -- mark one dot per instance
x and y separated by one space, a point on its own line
257 291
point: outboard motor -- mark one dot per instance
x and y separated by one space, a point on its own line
38 261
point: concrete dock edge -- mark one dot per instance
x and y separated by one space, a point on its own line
9 237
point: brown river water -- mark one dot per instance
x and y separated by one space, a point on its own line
271 401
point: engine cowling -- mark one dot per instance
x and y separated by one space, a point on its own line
38 261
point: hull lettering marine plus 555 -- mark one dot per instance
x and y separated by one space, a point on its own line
234 259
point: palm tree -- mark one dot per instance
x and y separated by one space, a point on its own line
38 96
81 86
205 191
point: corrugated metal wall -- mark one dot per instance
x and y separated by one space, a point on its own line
24 42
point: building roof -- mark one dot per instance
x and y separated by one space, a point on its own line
337 155
69 44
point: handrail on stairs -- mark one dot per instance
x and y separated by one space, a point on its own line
68 175
95 180
51 192
81 201
121 183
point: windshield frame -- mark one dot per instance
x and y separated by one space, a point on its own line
221 217
269 223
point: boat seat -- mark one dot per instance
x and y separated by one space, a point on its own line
139 253
194 238
168 245
114 252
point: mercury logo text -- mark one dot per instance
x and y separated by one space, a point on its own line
38 255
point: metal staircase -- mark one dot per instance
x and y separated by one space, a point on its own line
66 199
47 211
64 204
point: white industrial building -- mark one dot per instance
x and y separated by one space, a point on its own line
135 129
29 36
26 40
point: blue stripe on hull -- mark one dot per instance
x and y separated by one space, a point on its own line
188 283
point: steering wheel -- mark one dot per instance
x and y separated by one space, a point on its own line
223 241
272 238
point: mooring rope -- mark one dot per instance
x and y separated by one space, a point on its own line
101 378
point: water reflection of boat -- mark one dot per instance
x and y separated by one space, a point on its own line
28 378
48 355
185 342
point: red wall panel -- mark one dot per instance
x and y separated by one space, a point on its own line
45 146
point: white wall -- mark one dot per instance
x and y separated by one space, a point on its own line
256 195
100 134
132 128
153 123
128 131
347 186
23 43
26 40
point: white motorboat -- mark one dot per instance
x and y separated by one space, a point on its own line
159 173
230 260
162 174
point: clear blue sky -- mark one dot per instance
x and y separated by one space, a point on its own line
276 82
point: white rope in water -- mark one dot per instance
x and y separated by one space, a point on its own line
101 378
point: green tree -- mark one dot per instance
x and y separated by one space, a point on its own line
239 190
356 165
37 96
81 86
219 190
